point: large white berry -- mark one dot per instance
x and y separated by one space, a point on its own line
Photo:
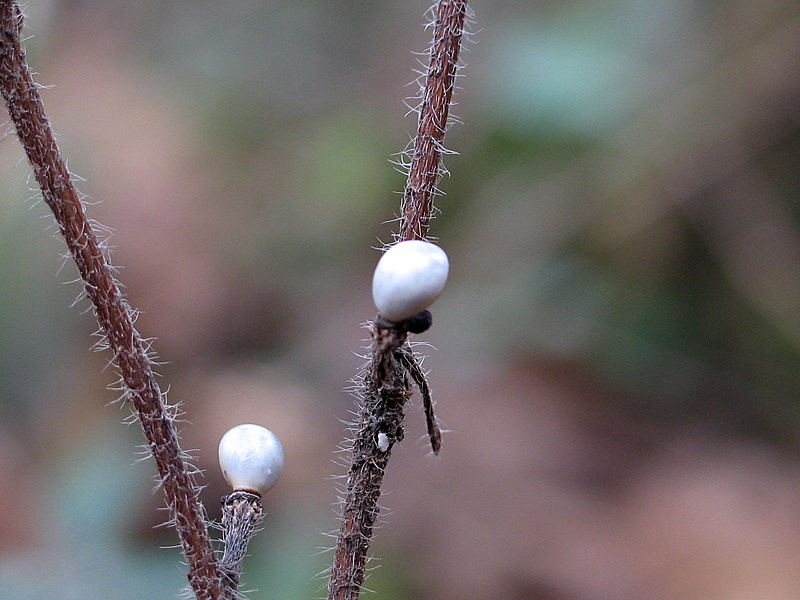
409 277
251 458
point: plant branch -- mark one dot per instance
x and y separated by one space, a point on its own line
411 365
434 112
241 514
110 308
384 391
385 385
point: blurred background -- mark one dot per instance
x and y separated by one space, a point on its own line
616 357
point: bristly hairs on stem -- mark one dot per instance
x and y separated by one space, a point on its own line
114 315
385 385
436 98
241 514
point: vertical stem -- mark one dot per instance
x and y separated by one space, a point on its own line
384 392
110 308
434 112
241 514
409 362
385 387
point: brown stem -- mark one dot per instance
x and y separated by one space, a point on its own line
384 392
110 308
410 363
434 112
385 386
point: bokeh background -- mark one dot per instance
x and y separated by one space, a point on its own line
616 357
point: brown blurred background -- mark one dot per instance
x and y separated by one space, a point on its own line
616 356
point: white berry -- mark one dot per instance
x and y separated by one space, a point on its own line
251 458
409 277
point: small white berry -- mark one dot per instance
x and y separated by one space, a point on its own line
409 277
383 442
251 458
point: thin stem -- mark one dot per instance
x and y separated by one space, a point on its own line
409 361
241 514
434 111
384 391
385 386
110 308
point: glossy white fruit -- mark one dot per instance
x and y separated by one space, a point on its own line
251 458
409 277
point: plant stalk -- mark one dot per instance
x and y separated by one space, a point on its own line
241 514
112 311
385 385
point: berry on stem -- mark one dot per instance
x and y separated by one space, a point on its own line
251 458
409 277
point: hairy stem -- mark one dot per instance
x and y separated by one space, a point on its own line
434 112
110 308
384 391
409 362
385 386
241 514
